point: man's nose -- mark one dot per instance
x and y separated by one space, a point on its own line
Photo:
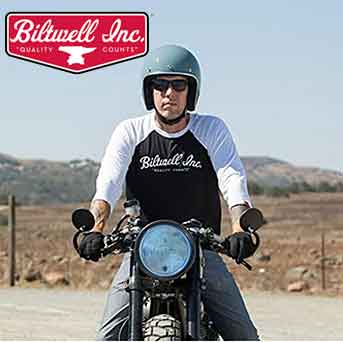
169 90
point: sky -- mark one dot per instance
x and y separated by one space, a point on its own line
273 70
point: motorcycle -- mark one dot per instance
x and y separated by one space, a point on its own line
166 270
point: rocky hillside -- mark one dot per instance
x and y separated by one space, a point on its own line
277 173
41 181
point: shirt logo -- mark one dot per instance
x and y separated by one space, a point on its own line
77 42
179 160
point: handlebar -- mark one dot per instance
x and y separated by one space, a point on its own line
117 243
120 240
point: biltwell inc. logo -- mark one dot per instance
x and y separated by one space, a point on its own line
77 42
179 160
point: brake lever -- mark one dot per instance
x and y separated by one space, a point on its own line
113 247
245 264
120 243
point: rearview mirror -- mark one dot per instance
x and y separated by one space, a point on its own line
251 219
83 219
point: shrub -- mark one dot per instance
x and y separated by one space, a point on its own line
326 187
294 188
277 192
305 187
3 199
339 187
255 189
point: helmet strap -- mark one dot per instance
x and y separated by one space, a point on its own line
170 122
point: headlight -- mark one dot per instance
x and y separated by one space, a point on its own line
165 250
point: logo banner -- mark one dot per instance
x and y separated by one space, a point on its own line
77 42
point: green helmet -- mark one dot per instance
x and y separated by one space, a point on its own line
172 60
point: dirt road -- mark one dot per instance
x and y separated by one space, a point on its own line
67 315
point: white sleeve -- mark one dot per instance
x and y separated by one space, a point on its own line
114 165
230 171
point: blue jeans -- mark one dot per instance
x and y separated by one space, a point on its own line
222 300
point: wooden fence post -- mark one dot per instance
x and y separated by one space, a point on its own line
323 261
11 239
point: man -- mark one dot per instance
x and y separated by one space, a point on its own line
175 162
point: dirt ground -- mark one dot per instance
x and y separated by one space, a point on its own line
56 314
290 250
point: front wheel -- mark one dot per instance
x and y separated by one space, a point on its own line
162 328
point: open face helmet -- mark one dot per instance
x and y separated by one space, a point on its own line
172 60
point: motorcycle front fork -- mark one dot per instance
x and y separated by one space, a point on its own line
196 285
193 302
136 294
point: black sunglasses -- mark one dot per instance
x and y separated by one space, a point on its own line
162 84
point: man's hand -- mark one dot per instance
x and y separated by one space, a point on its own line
91 245
240 246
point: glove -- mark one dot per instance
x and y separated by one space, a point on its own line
91 245
240 246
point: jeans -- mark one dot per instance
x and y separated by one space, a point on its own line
222 301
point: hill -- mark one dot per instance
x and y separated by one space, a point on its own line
41 181
46 182
277 173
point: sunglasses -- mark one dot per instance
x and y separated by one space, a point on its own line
162 84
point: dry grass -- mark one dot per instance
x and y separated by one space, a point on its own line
292 238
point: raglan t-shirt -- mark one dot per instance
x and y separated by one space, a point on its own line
174 176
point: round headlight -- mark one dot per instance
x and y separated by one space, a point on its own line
165 250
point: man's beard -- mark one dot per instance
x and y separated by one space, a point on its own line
170 122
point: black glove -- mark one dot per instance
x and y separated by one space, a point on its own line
91 245
240 246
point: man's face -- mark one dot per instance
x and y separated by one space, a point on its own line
170 102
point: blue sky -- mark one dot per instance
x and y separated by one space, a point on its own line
273 70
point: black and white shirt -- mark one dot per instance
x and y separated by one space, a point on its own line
174 176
